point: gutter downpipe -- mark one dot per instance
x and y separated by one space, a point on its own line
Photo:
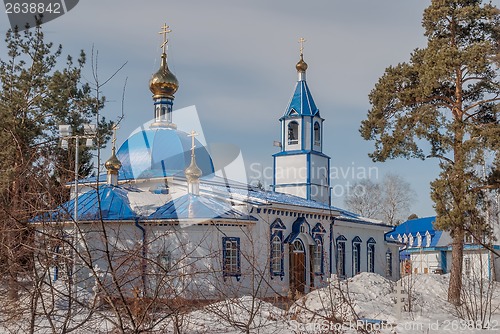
144 253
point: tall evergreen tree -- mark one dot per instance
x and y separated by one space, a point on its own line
444 103
37 94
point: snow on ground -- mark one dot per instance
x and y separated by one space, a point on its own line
365 296
335 308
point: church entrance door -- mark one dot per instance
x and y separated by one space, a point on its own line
297 268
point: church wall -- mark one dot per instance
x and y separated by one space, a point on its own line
299 191
365 232
307 134
425 262
291 169
319 170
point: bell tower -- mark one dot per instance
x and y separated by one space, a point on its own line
301 168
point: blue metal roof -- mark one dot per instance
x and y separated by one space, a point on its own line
114 206
302 102
414 226
198 207
160 152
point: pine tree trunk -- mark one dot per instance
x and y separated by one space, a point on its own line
457 253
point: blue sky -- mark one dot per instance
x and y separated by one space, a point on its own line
235 61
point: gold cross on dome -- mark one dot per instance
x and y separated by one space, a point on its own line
164 31
192 135
302 41
115 128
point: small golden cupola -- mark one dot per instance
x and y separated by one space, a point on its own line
193 172
163 85
301 65
113 165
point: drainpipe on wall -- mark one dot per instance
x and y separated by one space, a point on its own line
144 253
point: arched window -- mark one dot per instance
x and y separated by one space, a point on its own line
318 257
340 255
356 255
276 256
298 247
317 134
293 133
388 263
370 250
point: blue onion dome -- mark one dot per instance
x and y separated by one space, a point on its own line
160 152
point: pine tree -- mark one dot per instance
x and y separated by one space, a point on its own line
37 94
445 100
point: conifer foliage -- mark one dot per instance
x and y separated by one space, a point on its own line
444 103
37 93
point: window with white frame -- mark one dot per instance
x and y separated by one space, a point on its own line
231 256
467 266
293 133
340 255
318 257
370 250
388 263
356 255
276 255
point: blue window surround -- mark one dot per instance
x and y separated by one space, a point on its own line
340 240
356 243
276 230
225 271
370 243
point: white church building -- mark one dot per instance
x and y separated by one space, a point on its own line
163 220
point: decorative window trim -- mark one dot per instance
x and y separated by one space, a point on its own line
340 240
318 228
277 225
281 271
370 249
419 240
356 265
427 239
226 272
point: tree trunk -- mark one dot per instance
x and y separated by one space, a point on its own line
457 252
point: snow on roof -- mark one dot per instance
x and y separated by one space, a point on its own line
198 207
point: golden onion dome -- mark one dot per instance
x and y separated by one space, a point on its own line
163 83
193 172
301 65
113 164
